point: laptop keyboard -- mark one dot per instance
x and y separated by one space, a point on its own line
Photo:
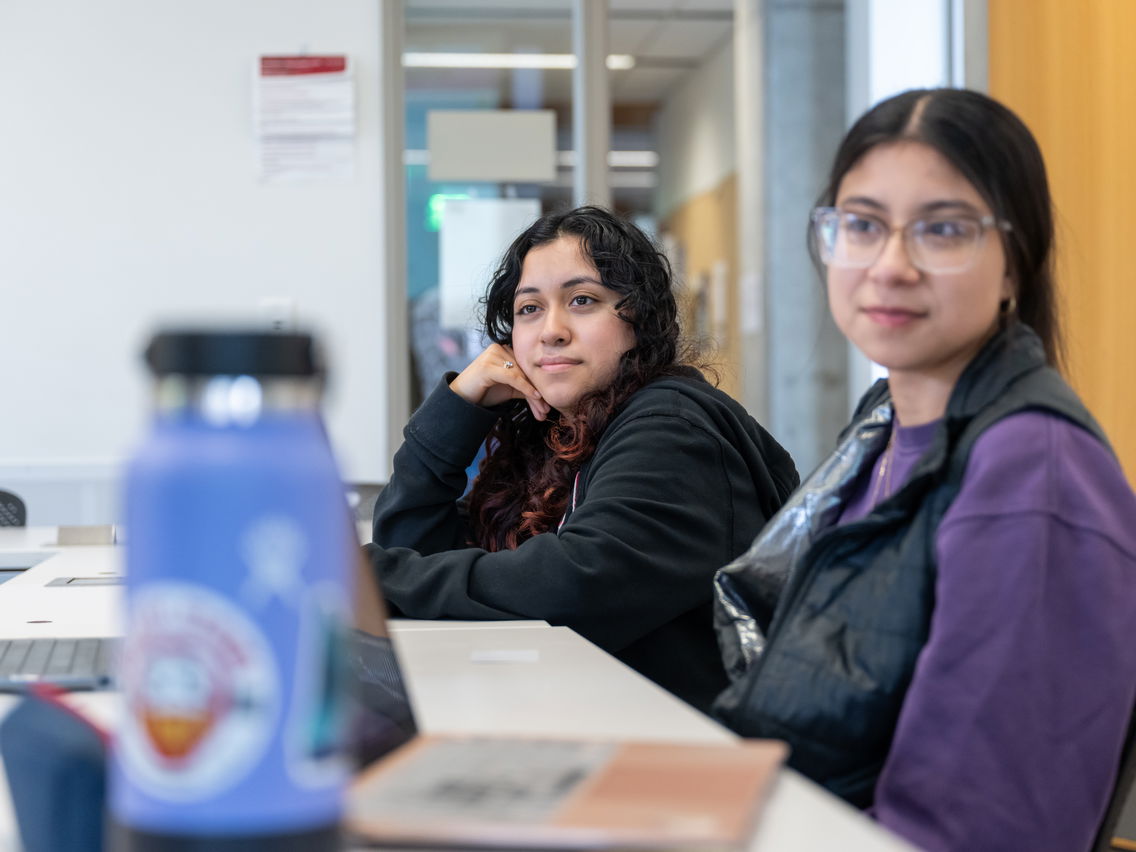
70 663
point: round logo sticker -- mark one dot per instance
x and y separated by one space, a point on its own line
200 692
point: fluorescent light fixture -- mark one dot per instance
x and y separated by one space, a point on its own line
564 159
615 159
633 159
564 61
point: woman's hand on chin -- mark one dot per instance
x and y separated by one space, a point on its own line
494 377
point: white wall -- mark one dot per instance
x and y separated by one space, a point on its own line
129 196
696 133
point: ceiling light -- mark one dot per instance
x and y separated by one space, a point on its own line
566 61
623 159
616 159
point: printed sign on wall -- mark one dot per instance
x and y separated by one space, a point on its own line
304 114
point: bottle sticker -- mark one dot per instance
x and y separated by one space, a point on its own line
274 550
200 690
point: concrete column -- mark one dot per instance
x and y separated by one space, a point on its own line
393 232
969 44
789 93
804 119
591 103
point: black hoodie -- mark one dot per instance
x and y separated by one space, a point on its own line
680 483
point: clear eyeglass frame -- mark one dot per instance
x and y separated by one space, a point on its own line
827 221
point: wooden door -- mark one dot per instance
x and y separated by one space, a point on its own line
1068 68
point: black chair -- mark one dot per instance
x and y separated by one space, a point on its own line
361 498
12 510
1119 828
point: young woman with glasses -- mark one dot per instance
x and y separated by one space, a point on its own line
940 621
617 480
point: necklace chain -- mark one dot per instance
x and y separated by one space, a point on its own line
883 477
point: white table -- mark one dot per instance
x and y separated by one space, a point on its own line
483 677
22 547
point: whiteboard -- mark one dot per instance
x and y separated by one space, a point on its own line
129 197
499 145
475 233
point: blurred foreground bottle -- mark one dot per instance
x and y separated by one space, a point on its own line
232 674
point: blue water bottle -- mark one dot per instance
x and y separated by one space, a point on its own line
233 732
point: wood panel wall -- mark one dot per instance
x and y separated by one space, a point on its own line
1069 70
705 229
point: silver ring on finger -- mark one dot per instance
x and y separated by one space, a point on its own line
508 365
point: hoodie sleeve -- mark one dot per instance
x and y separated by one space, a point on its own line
418 508
639 550
1011 731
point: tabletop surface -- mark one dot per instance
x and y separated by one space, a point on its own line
516 678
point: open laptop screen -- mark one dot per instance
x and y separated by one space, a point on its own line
383 718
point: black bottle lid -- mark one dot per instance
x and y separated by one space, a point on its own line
234 352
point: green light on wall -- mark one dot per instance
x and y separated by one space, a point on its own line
436 204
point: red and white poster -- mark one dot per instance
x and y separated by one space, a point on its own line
304 117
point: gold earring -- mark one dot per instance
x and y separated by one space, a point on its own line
1010 306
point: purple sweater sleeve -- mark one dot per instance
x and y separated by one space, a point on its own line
1011 731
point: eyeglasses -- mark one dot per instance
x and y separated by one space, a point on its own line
936 244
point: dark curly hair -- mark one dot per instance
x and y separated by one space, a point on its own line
524 482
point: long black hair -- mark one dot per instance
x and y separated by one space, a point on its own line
994 150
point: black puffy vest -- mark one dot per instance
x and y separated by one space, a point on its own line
855 608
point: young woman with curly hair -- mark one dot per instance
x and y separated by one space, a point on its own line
617 477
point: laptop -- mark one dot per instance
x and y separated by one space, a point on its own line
481 792
65 662
73 664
